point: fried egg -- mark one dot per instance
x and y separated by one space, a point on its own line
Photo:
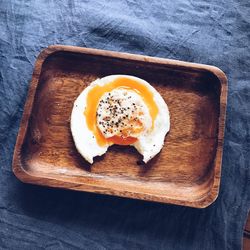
123 110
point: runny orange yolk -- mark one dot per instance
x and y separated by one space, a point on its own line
94 96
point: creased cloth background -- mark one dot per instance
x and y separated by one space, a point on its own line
210 32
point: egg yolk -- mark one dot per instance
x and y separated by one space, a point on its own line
94 96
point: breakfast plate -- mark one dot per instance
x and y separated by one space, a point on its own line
186 171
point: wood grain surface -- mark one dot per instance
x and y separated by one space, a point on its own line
186 172
246 236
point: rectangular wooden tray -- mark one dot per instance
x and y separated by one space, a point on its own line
186 172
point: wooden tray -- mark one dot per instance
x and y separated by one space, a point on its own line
186 172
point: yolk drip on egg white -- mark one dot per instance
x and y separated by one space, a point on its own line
138 120
119 109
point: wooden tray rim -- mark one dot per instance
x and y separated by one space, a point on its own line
26 177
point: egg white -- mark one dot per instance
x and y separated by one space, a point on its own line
148 145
